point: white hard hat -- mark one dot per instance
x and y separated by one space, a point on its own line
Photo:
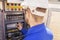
36 3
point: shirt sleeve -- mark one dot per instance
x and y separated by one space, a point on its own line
24 31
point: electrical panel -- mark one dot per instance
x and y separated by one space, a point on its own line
12 14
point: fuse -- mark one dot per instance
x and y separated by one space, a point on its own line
18 4
15 4
12 9
19 9
12 4
15 9
7 4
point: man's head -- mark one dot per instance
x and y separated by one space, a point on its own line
29 16
37 9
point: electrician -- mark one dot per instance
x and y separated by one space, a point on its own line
34 16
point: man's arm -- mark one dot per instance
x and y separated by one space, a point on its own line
20 27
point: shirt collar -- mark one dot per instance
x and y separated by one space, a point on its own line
36 28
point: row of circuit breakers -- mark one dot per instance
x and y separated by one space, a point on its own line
13 7
12 19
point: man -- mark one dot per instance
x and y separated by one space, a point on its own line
34 16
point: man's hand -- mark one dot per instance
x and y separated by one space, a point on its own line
19 26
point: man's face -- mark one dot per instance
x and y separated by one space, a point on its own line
27 15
